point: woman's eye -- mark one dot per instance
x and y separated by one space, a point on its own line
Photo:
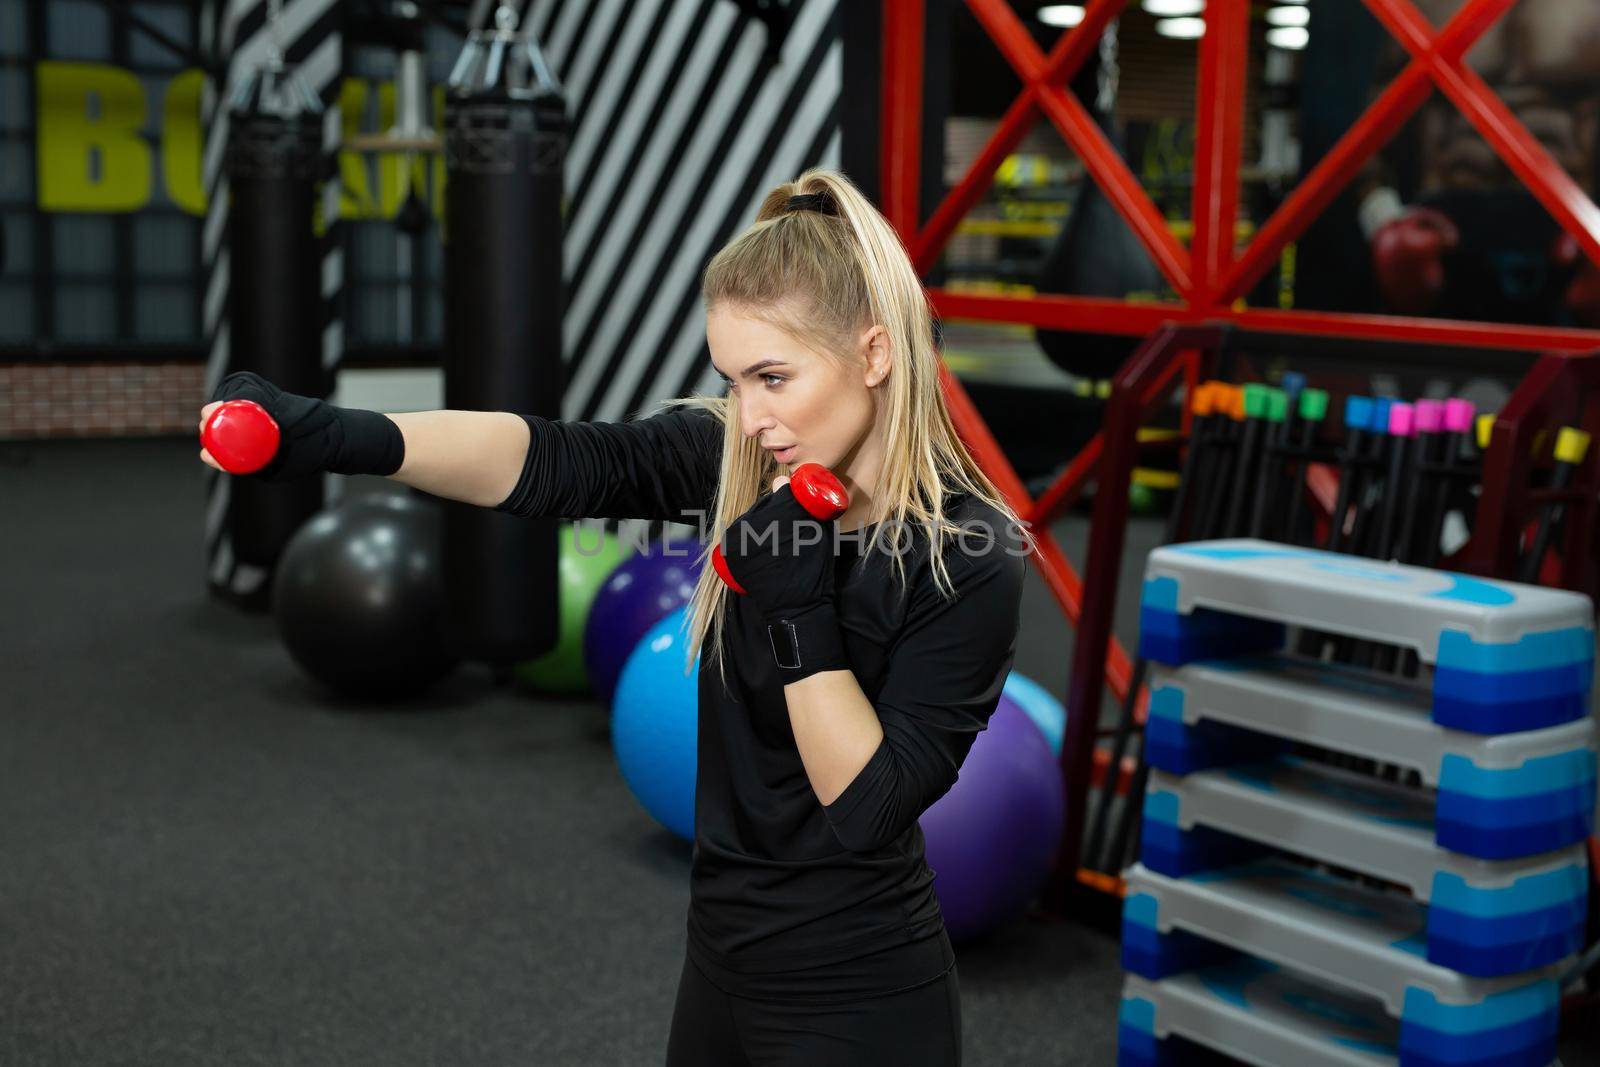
772 380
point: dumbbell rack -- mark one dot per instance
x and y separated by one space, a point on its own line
1431 923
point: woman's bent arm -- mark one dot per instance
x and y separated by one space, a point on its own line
472 456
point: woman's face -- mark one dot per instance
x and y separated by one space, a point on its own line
804 407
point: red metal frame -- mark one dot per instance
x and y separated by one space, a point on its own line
1208 277
1558 391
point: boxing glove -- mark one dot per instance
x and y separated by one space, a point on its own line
1408 259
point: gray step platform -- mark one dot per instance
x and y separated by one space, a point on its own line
1505 657
1264 1015
1486 917
1255 1012
1498 796
1364 941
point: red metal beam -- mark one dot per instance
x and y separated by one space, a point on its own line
1546 396
1082 135
1066 57
1224 59
1099 315
1209 280
1065 490
1327 179
1059 575
1014 126
1550 184
1393 108
902 113
1125 413
1448 332
1482 106
1006 29
1067 588
1122 189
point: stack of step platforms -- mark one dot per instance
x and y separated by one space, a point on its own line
1288 910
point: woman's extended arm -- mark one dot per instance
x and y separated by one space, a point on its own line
662 467
472 456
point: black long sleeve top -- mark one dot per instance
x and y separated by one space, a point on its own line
790 897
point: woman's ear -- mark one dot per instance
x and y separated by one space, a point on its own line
878 355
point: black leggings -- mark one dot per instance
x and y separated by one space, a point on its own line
711 1028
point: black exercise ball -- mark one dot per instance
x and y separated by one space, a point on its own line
359 597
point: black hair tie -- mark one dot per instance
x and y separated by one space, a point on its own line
819 202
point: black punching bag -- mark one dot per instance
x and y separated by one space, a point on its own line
505 146
274 301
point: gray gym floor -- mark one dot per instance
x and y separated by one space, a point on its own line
203 860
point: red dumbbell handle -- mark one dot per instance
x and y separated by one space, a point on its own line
817 489
241 436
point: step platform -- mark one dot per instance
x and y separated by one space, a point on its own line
1498 796
1364 941
1484 918
1505 657
1263 1014
1253 1011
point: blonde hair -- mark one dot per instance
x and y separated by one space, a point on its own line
824 278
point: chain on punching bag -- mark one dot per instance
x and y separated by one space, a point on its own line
505 147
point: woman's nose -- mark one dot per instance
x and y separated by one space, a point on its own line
753 417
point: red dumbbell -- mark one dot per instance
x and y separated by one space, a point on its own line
817 489
240 436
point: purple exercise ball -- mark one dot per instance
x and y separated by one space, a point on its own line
641 591
992 839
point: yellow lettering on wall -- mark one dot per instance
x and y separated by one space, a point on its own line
397 172
181 144
437 162
355 192
91 156
391 173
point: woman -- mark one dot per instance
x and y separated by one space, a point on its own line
839 696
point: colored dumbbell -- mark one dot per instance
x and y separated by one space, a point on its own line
817 489
240 436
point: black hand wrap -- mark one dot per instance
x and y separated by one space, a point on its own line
316 436
784 559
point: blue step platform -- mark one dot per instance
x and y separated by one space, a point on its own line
1504 657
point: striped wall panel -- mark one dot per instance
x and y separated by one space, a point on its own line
682 124
239 31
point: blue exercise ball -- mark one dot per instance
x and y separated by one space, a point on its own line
992 839
642 590
1047 713
655 722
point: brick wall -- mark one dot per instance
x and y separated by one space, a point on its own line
99 399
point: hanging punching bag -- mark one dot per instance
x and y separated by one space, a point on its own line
1096 255
505 147
274 310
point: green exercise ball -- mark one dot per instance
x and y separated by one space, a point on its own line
1142 499
588 556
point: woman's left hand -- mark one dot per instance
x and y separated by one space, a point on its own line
781 555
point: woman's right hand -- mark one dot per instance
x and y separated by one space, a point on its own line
306 426
314 435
